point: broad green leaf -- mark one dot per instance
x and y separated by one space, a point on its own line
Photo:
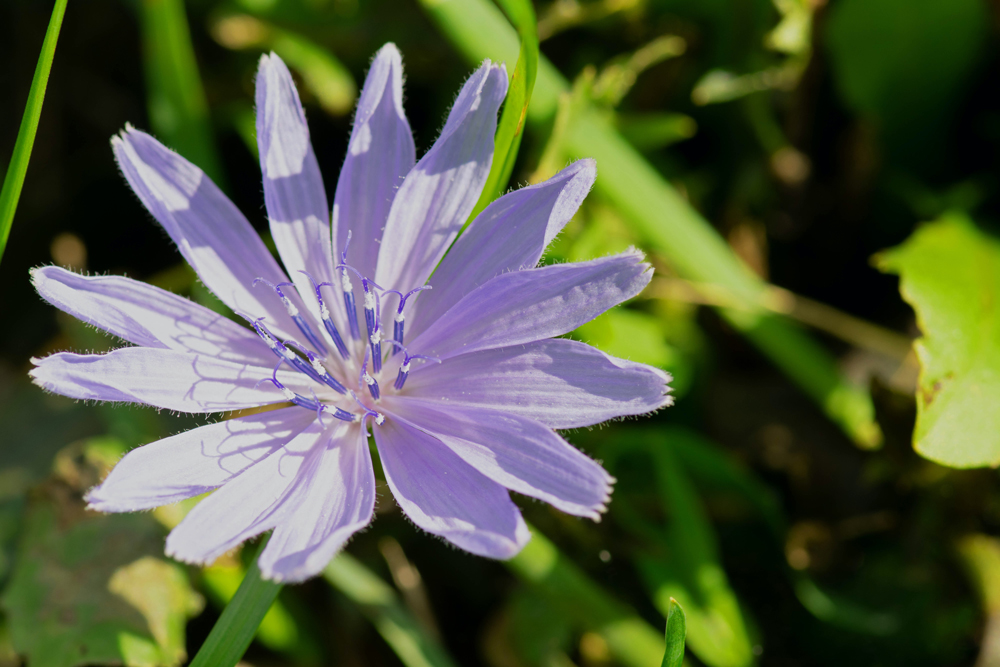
515 110
178 110
91 589
667 223
629 334
630 640
950 273
18 166
981 558
236 627
380 604
675 633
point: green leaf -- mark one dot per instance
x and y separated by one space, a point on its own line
236 627
91 589
18 167
178 110
631 641
629 334
380 604
675 633
950 273
667 223
515 110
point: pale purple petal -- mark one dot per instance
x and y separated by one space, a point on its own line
446 496
379 155
148 316
333 499
180 381
438 194
561 383
254 501
509 235
196 461
525 306
211 233
293 186
519 453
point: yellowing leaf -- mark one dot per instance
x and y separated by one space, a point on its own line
950 273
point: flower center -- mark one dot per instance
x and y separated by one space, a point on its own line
332 396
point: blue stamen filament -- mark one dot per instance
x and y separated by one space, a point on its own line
324 313
404 368
313 404
293 312
399 321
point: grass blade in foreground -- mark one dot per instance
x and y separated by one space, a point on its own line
235 629
18 167
667 222
515 110
377 601
674 656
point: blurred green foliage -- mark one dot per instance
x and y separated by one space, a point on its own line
742 144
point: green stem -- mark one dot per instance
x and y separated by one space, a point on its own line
18 167
235 629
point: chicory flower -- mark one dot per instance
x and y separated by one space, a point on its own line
458 375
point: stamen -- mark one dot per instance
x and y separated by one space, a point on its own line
293 312
324 312
320 369
372 315
404 368
282 352
369 380
379 418
398 324
313 404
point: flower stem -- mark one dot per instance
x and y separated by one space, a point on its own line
235 629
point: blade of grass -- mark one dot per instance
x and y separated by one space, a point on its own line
515 110
18 167
380 604
235 629
675 633
631 641
178 110
669 225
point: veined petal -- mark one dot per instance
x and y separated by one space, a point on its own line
446 496
211 233
509 235
561 383
196 461
521 454
379 155
438 194
148 316
525 306
163 378
293 186
333 499
254 501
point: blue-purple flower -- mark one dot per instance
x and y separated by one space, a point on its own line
445 349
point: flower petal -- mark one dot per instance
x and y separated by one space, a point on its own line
163 378
438 194
293 186
561 383
509 235
379 156
196 461
211 233
518 453
334 498
446 496
148 316
524 306
254 501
